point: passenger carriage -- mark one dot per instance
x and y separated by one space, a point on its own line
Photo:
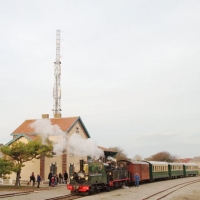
140 167
158 170
190 169
175 170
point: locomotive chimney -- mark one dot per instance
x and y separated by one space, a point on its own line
81 165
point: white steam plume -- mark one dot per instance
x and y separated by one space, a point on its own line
83 147
111 158
45 129
80 146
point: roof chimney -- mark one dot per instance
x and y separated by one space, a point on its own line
57 115
45 116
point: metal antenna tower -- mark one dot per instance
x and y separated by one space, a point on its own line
57 74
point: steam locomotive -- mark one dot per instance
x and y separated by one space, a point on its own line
94 177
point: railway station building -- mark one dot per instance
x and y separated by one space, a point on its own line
58 163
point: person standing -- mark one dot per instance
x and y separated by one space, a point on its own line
32 178
60 178
38 180
66 176
137 179
56 179
50 177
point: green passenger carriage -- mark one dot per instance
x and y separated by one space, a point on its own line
175 170
158 170
190 169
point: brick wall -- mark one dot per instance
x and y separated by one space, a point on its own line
42 167
64 162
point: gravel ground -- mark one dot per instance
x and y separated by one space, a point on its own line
190 192
41 194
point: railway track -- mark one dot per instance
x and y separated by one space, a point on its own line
15 194
65 197
168 191
23 193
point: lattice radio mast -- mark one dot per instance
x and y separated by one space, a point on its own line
57 74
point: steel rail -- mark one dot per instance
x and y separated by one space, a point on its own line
66 197
184 185
15 194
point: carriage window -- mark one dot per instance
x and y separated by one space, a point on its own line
121 165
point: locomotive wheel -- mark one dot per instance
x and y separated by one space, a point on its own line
108 188
97 190
92 190
73 192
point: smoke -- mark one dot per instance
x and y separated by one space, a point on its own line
111 158
45 129
75 144
83 147
125 187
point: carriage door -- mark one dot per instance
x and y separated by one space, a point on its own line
136 170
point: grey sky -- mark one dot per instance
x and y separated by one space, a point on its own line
130 69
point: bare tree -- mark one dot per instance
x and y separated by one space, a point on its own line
120 155
163 156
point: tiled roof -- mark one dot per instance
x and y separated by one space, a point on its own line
65 125
184 160
195 159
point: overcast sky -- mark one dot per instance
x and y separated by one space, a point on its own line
130 70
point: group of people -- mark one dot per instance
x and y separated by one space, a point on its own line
55 179
33 179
